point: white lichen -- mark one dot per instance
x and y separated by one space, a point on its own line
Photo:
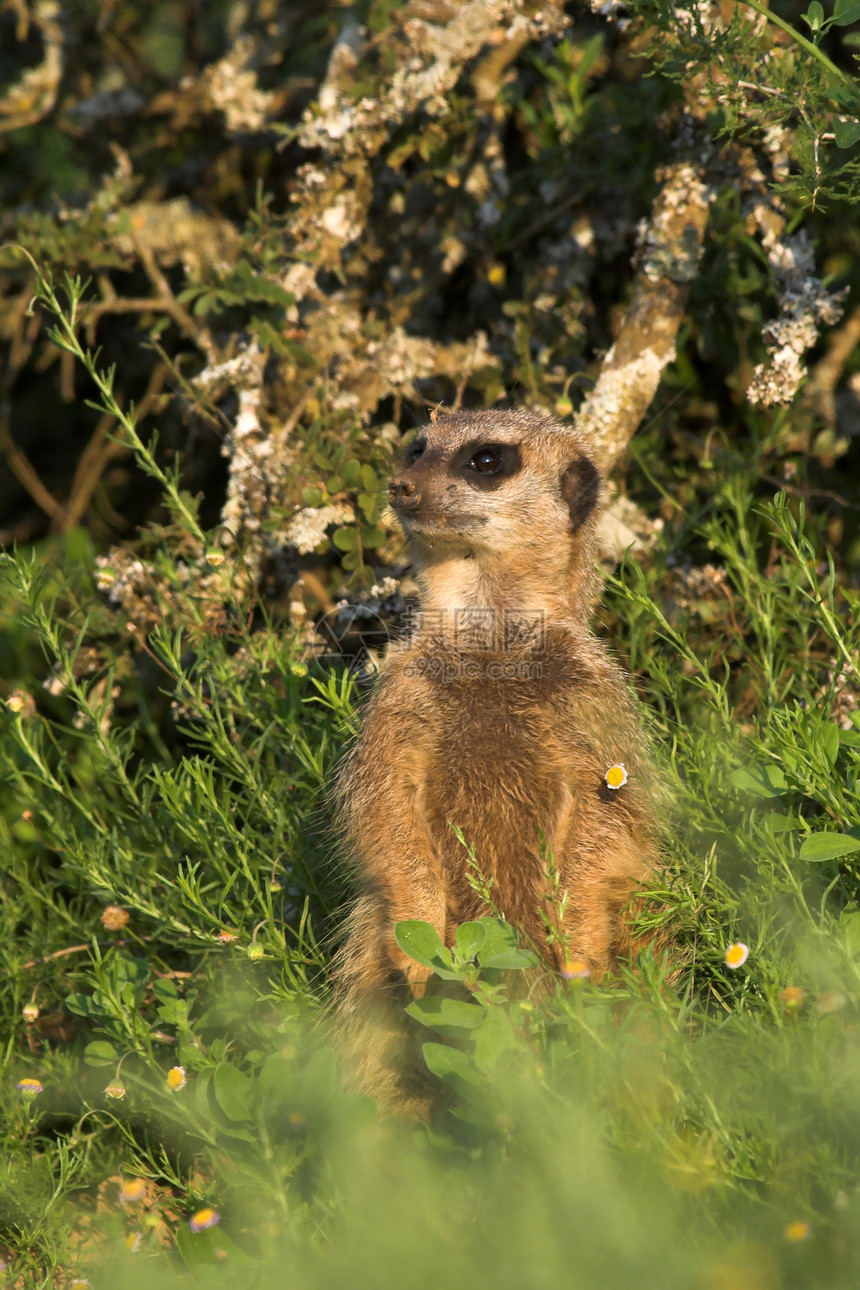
663 252
608 403
307 530
804 308
701 18
231 87
32 97
424 80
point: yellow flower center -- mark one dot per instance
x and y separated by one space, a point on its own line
204 1218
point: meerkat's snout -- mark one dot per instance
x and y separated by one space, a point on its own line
404 494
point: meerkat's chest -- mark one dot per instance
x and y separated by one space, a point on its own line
494 772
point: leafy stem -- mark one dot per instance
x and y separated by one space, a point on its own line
64 335
801 40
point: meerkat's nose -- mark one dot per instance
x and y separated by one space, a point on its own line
404 494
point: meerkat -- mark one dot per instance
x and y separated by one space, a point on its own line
501 714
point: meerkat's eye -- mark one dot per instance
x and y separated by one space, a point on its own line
488 461
486 465
414 451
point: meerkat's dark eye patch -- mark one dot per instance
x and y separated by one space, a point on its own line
580 489
487 465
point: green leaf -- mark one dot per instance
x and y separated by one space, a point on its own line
276 1074
232 1091
84 1005
165 989
511 959
200 1093
174 1012
345 539
449 1016
470 938
814 15
423 944
130 968
368 502
591 51
845 12
849 927
501 947
419 940
496 1036
197 1249
828 846
372 536
312 496
100 1053
760 781
847 131
452 1065
498 937
829 738
846 98
268 337
777 822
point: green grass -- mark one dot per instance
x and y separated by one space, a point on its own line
676 1126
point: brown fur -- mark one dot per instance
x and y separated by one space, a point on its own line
507 758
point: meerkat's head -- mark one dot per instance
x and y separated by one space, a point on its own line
494 482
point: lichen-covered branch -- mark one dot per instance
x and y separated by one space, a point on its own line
34 95
631 371
820 392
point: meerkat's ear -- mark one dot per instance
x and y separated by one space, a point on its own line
580 489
